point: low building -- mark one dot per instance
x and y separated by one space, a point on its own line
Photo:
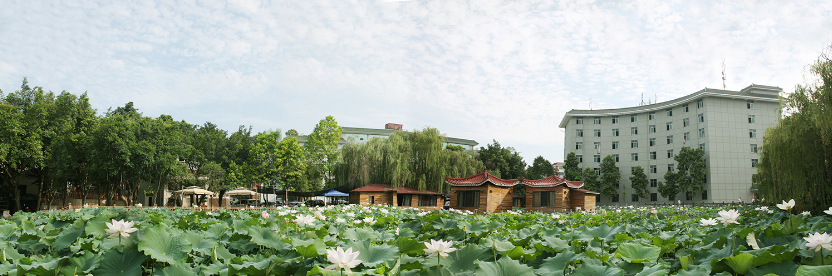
404 197
555 194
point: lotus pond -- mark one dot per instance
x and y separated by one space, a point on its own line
392 241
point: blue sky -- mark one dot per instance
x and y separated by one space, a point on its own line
480 69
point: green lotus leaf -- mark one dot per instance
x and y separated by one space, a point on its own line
781 269
597 270
638 253
47 267
199 242
503 266
310 248
118 263
656 270
178 270
740 263
8 252
436 271
821 270
445 224
603 232
259 267
267 237
557 244
331 272
82 265
158 243
410 246
465 259
773 254
373 255
698 271
556 264
6 231
66 237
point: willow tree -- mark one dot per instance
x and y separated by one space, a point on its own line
797 150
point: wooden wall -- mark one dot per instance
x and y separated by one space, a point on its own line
493 198
583 200
561 202
414 202
363 198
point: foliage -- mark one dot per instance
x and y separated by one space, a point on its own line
322 149
291 132
639 183
610 177
591 181
615 241
691 170
796 151
670 187
540 168
570 167
506 160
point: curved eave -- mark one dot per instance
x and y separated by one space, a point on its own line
480 184
707 92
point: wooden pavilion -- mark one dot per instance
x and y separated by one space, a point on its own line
403 197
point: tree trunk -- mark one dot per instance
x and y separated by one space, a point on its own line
40 191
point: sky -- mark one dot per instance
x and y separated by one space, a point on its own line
480 69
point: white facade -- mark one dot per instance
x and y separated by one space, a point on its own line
728 125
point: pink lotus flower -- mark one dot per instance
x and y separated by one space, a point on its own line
120 227
342 259
439 247
265 215
817 241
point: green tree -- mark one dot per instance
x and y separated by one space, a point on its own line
691 170
610 177
291 164
639 182
291 132
506 160
264 162
454 147
670 187
322 148
540 168
591 181
570 167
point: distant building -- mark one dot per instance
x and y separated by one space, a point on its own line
365 134
402 197
728 125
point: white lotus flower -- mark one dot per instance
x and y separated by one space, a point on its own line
654 211
425 213
305 220
707 222
340 220
209 213
828 212
350 215
342 259
440 247
555 216
817 241
120 227
265 215
728 217
384 211
356 221
771 211
369 220
282 213
806 213
786 205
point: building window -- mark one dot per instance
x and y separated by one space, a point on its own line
685 108
654 183
468 199
427 200
749 104
579 121
701 117
596 158
580 158
704 194
615 156
371 200
670 126
685 122
633 144
752 133
754 148
670 153
614 119
634 130
615 198
580 132
754 163
700 104
652 142
579 145
702 146
633 118
670 139
652 155
615 145
596 133
597 121
634 156
751 119
687 136
701 132
651 115
596 145
614 132
597 171
653 169
652 128
543 199
669 112
670 167
654 197
404 200
635 198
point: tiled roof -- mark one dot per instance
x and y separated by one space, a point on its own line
587 191
399 190
479 179
551 181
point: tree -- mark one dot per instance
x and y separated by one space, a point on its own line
291 164
540 168
639 182
322 148
264 162
506 160
454 147
691 170
570 167
610 177
590 178
670 188
291 132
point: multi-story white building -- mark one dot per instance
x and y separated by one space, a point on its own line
728 125
362 135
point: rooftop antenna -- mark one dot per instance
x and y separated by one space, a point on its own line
590 103
642 99
723 74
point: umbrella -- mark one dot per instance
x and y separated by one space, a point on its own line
194 190
333 192
240 191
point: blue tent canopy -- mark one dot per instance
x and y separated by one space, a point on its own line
333 192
